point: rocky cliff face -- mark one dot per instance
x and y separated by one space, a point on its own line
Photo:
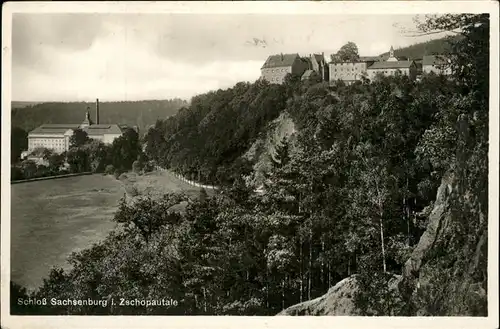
263 150
339 300
446 273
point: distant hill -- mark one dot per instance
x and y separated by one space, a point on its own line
22 104
419 50
133 113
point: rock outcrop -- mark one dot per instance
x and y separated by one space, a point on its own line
437 224
339 300
263 149
446 272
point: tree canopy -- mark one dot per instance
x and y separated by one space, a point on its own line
347 53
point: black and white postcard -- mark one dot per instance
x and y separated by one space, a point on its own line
250 164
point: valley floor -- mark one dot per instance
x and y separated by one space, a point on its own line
53 218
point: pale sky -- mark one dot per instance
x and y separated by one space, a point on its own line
80 57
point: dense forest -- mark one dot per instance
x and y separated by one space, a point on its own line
351 197
132 113
206 140
419 50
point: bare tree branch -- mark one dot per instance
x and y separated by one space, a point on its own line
431 33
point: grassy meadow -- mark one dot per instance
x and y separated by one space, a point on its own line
157 183
52 218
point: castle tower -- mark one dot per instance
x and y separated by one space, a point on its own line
87 122
392 58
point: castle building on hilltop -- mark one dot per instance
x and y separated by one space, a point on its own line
56 137
436 64
393 66
349 72
317 64
391 58
387 68
369 67
276 67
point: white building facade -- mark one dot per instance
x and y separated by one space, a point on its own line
276 67
348 71
436 64
56 137
408 68
51 137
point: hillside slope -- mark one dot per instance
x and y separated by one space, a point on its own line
206 141
22 104
133 113
418 50
263 150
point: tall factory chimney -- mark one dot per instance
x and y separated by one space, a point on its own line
97 111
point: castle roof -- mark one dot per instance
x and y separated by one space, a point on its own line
93 130
391 65
102 129
361 59
318 57
280 60
53 129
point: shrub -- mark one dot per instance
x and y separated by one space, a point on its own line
16 292
137 166
203 195
64 172
149 166
117 173
109 169
16 173
132 190
377 293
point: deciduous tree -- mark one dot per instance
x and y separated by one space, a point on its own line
79 138
346 53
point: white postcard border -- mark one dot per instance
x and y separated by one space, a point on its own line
258 7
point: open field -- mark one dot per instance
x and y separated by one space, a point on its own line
52 218
158 183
